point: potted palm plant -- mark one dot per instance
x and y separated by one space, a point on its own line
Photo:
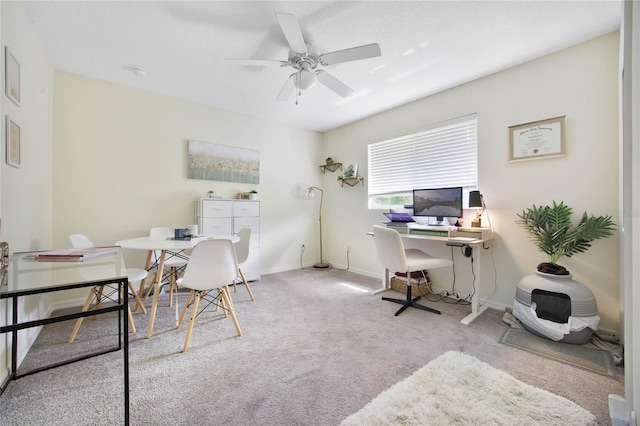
551 230
550 303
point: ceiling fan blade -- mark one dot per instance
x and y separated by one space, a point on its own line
351 54
288 88
291 30
333 83
255 62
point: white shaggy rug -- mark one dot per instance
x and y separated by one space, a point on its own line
459 389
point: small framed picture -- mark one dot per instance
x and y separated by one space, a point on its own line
350 169
11 76
12 142
538 139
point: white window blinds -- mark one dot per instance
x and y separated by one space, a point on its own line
443 155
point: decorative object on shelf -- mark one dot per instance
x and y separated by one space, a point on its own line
11 76
221 162
538 139
322 264
212 194
13 148
251 195
550 303
351 181
350 169
329 160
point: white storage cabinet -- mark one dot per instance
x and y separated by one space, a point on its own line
227 217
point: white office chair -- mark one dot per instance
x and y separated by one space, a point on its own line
174 264
242 254
97 293
212 266
394 257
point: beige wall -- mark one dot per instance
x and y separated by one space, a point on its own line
120 167
579 82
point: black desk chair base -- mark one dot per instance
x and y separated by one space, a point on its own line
410 302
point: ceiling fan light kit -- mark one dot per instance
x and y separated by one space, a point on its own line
305 63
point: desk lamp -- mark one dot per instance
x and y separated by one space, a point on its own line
322 264
476 201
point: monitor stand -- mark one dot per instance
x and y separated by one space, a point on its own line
440 221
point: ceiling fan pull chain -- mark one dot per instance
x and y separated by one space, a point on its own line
299 83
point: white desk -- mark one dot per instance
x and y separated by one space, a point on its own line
476 246
164 245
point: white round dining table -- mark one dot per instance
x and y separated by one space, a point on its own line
164 245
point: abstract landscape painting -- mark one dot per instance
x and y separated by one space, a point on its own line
221 162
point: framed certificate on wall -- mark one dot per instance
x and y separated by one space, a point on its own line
538 139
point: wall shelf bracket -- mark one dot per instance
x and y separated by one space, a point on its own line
351 181
331 167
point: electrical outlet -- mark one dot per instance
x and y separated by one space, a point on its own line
302 249
348 248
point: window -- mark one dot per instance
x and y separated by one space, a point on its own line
443 155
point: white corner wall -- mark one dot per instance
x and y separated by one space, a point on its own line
25 192
580 82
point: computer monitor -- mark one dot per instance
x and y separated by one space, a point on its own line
438 203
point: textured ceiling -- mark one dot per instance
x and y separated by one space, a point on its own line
427 47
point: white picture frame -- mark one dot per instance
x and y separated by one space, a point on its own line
11 76
13 149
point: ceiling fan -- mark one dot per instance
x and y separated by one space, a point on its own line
306 63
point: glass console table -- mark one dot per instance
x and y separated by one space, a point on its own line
25 276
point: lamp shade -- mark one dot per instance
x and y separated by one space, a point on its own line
307 79
475 199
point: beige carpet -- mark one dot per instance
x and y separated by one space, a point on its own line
315 350
456 388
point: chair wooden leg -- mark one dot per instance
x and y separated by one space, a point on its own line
227 304
147 264
132 326
148 293
186 306
98 299
137 298
173 272
246 284
194 312
232 312
76 327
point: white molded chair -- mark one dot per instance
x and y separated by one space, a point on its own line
97 293
242 254
394 257
212 266
172 262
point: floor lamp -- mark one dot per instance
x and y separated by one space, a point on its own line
322 263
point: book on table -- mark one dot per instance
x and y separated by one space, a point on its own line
72 254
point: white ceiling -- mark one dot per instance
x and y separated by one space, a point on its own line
427 46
